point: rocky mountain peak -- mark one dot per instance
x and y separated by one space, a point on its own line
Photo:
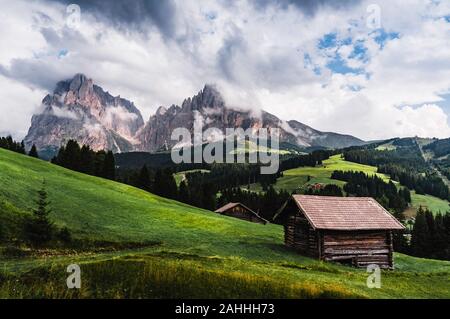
161 111
209 97
81 110
78 109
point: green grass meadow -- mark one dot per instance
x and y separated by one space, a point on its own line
297 178
196 253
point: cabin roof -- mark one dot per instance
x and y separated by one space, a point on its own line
229 206
345 213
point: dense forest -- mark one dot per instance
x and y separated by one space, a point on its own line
9 144
439 147
405 165
426 183
430 236
361 185
220 183
83 159
406 157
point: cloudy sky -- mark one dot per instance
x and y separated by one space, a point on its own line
374 69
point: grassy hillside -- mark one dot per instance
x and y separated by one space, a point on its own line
196 253
436 205
297 178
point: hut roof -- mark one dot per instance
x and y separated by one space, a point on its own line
229 206
346 213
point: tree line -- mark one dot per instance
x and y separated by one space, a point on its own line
265 204
362 185
429 183
327 190
406 157
404 165
430 236
208 189
313 159
85 160
9 144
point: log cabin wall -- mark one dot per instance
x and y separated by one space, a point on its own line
359 248
299 235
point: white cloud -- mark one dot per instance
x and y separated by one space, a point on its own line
255 56
17 106
65 113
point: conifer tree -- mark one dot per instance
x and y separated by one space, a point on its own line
109 170
87 160
39 228
183 193
143 180
420 235
33 152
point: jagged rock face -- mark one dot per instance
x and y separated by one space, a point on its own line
208 107
80 110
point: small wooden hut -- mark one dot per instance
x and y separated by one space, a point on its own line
241 211
351 230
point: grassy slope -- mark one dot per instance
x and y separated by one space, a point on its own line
435 204
199 240
298 177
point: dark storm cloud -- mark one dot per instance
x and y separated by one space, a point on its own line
132 14
309 7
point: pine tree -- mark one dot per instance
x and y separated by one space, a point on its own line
183 193
165 184
22 148
171 185
440 239
87 160
39 228
109 168
69 157
420 235
143 180
33 152
208 197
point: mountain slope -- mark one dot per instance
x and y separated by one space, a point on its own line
195 241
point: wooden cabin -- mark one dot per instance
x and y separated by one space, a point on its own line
241 211
350 230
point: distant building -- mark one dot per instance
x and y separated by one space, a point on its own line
350 230
241 211
316 186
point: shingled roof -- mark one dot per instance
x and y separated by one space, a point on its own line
345 213
229 206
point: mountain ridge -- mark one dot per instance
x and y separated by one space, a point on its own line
81 110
